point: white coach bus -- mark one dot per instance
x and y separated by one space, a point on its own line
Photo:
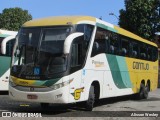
70 59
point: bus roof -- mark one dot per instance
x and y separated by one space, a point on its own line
69 20
59 20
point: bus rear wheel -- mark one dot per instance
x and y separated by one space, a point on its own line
143 93
146 92
91 99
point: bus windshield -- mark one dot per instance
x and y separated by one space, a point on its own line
40 52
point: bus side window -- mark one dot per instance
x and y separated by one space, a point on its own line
9 47
1 38
149 55
143 52
76 55
114 44
87 30
154 54
100 42
135 50
124 47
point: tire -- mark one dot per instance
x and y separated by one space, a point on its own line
140 95
143 93
91 99
44 105
146 92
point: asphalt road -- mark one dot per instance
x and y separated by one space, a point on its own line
111 107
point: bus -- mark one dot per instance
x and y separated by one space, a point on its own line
80 59
7 39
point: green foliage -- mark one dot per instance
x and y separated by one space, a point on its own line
13 18
141 17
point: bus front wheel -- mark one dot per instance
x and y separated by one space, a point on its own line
91 99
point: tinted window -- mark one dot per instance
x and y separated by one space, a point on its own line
87 30
101 41
1 38
154 54
125 47
110 43
9 47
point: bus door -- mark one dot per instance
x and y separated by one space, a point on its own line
77 58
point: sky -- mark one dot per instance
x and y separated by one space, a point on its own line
46 8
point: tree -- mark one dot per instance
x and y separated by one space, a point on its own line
13 18
141 17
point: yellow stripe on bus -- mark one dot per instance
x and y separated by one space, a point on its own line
61 20
131 35
22 82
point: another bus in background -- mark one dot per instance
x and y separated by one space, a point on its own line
7 39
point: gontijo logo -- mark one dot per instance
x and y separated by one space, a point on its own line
140 66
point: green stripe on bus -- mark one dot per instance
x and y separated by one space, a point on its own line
4 35
124 71
119 71
106 27
4 64
49 83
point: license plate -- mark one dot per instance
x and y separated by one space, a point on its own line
32 97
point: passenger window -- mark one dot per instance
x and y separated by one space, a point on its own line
149 55
155 54
9 47
114 44
87 30
1 38
143 52
135 50
100 44
125 47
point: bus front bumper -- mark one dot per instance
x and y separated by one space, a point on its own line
55 96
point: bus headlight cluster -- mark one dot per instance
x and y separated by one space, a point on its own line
57 86
12 84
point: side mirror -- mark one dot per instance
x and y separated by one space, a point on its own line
4 43
68 41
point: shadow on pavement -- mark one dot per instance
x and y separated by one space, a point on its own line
56 110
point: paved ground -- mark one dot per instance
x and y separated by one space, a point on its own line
105 109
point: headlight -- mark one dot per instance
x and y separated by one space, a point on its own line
57 86
12 84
